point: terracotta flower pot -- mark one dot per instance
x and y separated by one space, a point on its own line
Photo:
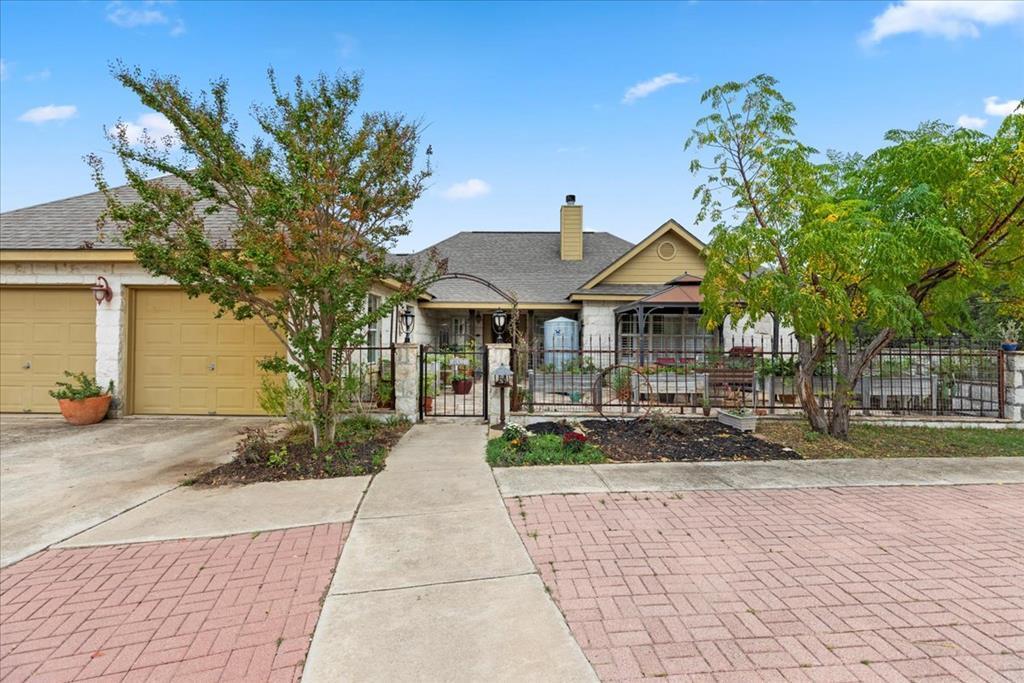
428 404
86 411
462 386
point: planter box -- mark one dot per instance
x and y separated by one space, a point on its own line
744 423
562 383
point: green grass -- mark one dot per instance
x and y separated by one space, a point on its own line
873 441
542 450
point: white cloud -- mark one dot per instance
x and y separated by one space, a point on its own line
993 107
38 75
950 19
154 125
4 70
50 112
345 44
127 14
973 122
645 88
474 187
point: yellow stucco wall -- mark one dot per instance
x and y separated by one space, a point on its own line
651 266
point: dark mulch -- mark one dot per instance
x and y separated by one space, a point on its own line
361 448
648 440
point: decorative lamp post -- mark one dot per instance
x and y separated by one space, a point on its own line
407 320
502 380
499 319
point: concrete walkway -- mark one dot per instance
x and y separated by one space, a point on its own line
434 582
776 474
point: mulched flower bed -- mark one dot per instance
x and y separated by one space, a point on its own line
661 440
282 454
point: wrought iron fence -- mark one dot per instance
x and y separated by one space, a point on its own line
924 376
367 376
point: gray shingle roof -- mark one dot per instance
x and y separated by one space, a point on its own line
638 290
71 223
526 264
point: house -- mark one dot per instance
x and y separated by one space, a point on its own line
605 283
71 299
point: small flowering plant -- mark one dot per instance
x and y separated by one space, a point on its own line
574 441
514 431
517 436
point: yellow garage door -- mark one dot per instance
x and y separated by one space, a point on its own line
188 362
43 332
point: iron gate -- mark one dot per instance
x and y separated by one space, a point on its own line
453 381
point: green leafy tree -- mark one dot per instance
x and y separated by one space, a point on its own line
853 252
292 228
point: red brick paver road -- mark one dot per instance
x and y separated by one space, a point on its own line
234 608
887 584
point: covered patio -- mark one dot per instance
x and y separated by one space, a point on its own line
664 328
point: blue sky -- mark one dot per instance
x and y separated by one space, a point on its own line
522 103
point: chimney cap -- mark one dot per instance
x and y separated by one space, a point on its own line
570 199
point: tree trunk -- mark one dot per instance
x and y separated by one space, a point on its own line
849 368
842 393
810 356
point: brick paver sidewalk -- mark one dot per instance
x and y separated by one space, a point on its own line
849 584
234 608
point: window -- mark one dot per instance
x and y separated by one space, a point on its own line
373 330
458 337
672 336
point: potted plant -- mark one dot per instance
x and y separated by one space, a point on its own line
517 398
384 398
429 392
1010 332
462 378
705 406
82 401
622 384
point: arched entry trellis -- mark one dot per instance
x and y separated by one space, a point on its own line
458 399
510 297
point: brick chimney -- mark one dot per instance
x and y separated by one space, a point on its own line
571 227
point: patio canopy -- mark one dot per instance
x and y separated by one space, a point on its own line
681 292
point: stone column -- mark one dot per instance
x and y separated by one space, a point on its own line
407 381
111 342
497 354
1014 370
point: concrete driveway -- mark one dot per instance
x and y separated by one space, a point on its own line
57 480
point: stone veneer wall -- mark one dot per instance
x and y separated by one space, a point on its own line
1014 407
598 321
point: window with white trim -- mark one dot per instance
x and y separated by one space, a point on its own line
373 329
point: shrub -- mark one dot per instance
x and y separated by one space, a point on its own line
574 442
279 396
544 449
82 387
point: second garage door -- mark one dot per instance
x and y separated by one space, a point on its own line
188 362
